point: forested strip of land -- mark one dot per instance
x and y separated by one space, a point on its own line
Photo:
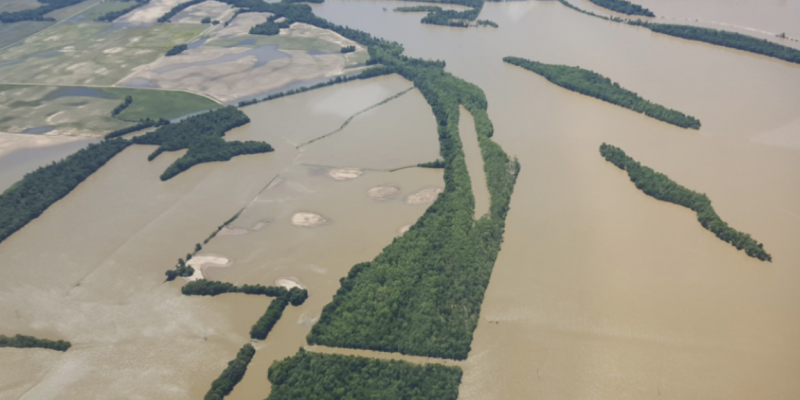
112 15
36 14
309 375
595 85
175 10
22 341
727 39
204 287
38 190
234 373
662 188
202 136
624 7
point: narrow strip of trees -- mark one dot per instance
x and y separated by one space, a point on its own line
29 198
38 13
598 86
22 341
347 49
120 108
175 10
232 374
112 15
175 50
662 188
624 7
143 124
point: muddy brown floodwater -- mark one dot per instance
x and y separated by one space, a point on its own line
599 291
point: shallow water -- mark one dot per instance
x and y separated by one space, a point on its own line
14 165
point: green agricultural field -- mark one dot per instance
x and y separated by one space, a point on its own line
17 5
149 103
87 111
12 33
89 53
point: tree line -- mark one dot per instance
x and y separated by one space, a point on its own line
624 7
662 188
175 10
347 49
142 124
112 15
36 14
177 49
38 190
365 74
22 341
232 374
727 39
120 108
595 85
309 375
202 136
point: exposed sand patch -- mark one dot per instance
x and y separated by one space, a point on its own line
194 14
261 224
345 174
299 29
424 196
10 142
227 231
149 13
383 192
202 261
242 23
113 50
289 282
308 220
403 229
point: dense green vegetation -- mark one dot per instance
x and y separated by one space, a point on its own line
36 14
433 164
204 287
202 136
181 269
366 74
158 104
120 108
28 198
597 86
347 49
662 188
234 373
727 39
317 376
268 28
624 7
143 124
112 15
175 50
22 341
175 10
264 325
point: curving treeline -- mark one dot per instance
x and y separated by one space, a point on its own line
38 190
112 15
232 374
624 7
24 342
662 188
38 13
595 85
726 39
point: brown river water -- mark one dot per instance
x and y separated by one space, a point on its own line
599 292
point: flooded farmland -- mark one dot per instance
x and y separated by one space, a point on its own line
599 291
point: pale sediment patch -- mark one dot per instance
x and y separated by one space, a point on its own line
403 229
113 50
345 174
10 142
308 220
289 282
202 261
228 231
262 223
424 196
383 192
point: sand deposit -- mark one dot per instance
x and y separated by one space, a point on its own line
403 229
345 174
424 196
228 231
202 261
308 220
211 9
10 142
383 192
289 282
